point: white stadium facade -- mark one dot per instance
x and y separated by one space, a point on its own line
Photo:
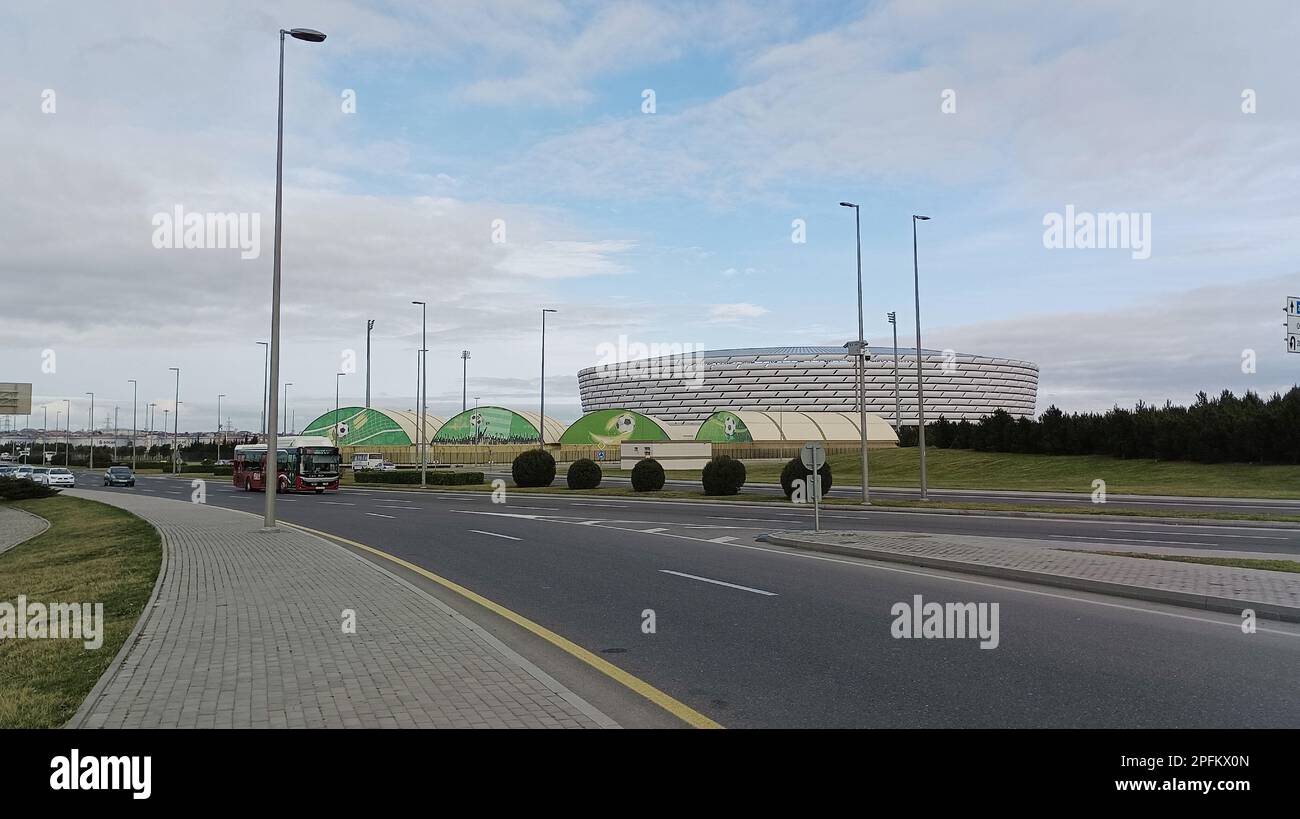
689 387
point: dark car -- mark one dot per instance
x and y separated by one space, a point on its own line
119 476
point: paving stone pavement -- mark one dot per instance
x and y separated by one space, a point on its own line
245 630
1222 588
17 526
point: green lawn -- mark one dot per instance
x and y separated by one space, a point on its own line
91 553
1235 562
965 469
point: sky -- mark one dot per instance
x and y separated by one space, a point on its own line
661 171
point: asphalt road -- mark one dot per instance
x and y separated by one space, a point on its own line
758 636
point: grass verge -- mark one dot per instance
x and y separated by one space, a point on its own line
1235 562
91 553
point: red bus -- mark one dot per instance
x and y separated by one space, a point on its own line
307 464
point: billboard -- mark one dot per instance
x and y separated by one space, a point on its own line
613 426
486 425
15 399
724 428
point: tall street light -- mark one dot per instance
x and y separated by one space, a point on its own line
370 325
920 385
337 376
464 379
45 429
898 403
285 411
92 430
266 368
135 389
176 422
219 397
67 437
422 389
541 432
272 442
861 353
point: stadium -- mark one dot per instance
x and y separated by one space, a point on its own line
690 387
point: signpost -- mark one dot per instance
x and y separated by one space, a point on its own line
813 456
1293 324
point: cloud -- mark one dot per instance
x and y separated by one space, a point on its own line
722 313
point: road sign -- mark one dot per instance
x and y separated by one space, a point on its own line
1293 305
1292 343
813 455
15 399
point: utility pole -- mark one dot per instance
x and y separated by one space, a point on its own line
898 403
464 379
92 430
370 325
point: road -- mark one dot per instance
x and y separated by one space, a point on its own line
758 636
1154 504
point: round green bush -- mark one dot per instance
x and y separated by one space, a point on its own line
533 467
583 473
24 489
724 475
795 471
647 476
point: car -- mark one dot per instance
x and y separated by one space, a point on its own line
7 470
41 474
119 476
59 476
22 472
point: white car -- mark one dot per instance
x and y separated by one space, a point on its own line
23 472
41 474
58 476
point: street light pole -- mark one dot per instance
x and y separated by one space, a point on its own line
176 424
272 482
920 384
135 389
464 379
337 376
67 438
862 357
898 404
285 411
92 430
266 365
422 390
541 432
370 325
45 429
219 397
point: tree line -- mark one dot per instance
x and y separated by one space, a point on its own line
1245 429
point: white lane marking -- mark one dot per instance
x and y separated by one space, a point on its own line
494 534
1248 537
601 505
1136 540
720 583
1234 624
377 515
337 503
756 520
652 531
403 508
723 539
543 508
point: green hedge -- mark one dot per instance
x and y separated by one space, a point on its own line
406 476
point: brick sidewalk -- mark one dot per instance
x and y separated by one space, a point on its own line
1221 588
245 630
17 526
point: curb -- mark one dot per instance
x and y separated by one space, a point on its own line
1227 605
119 659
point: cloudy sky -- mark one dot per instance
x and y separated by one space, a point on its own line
645 168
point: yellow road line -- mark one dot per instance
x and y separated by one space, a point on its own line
673 706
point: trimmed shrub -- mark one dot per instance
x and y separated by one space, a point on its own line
724 475
23 489
583 473
796 471
647 476
412 476
533 467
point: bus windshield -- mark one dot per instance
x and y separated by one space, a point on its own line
320 462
